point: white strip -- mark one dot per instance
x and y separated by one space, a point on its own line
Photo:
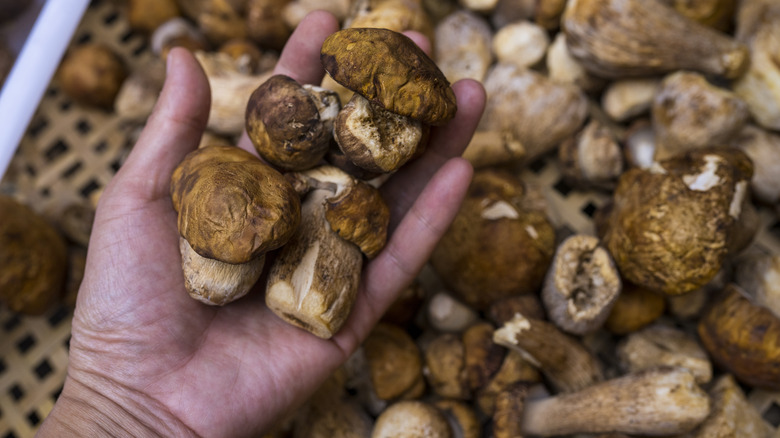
33 70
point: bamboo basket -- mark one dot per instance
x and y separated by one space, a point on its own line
70 152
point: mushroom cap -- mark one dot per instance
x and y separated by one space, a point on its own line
284 124
33 257
389 69
233 207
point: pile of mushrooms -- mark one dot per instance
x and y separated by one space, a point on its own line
657 320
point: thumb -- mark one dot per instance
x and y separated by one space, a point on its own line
173 130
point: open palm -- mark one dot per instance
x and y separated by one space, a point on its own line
151 360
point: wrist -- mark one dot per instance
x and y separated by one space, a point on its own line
95 406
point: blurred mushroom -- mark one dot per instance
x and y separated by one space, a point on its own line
539 112
395 363
742 338
34 258
294 11
177 32
521 43
411 419
221 21
634 308
758 26
223 255
731 413
445 367
662 345
447 314
92 74
245 53
395 15
461 417
714 13
138 95
148 15
563 68
758 276
313 282
763 149
265 23
504 309
230 92
624 99
464 45
606 37
690 113
493 148
592 158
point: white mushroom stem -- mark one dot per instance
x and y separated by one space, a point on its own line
214 282
661 401
230 91
627 98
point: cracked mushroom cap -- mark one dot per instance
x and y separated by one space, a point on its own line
232 207
388 69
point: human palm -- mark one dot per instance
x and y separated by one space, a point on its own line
158 362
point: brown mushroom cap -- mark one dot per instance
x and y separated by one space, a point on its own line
389 69
284 124
232 207
33 258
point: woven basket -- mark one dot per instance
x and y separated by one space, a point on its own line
70 152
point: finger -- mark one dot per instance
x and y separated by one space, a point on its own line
300 58
173 129
446 142
408 249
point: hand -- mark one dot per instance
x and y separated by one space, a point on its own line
146 359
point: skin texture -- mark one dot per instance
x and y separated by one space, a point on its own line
148 360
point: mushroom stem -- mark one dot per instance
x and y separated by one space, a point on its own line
214 282
660 401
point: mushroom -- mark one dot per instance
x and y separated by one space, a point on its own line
148 15
446 314
493 148
411 419
592 158
758 276
394 362
504 309
663 345
763 148
290 125
658 401
313 282
609 40
563 68
509 11
640 144
521 43
742 338
232 209
138 95
466 53
91 74
294 11
445 366
497 245
265 23
230 92
690 113
395 15
514 369
332 412
34 258
581 285
713 13
634 308
245 54
480 6
539 112
758 25
505 420
625 99
177 32
405 307
220 21
483 357
731 413
564 361
461 417
671 225
398 89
